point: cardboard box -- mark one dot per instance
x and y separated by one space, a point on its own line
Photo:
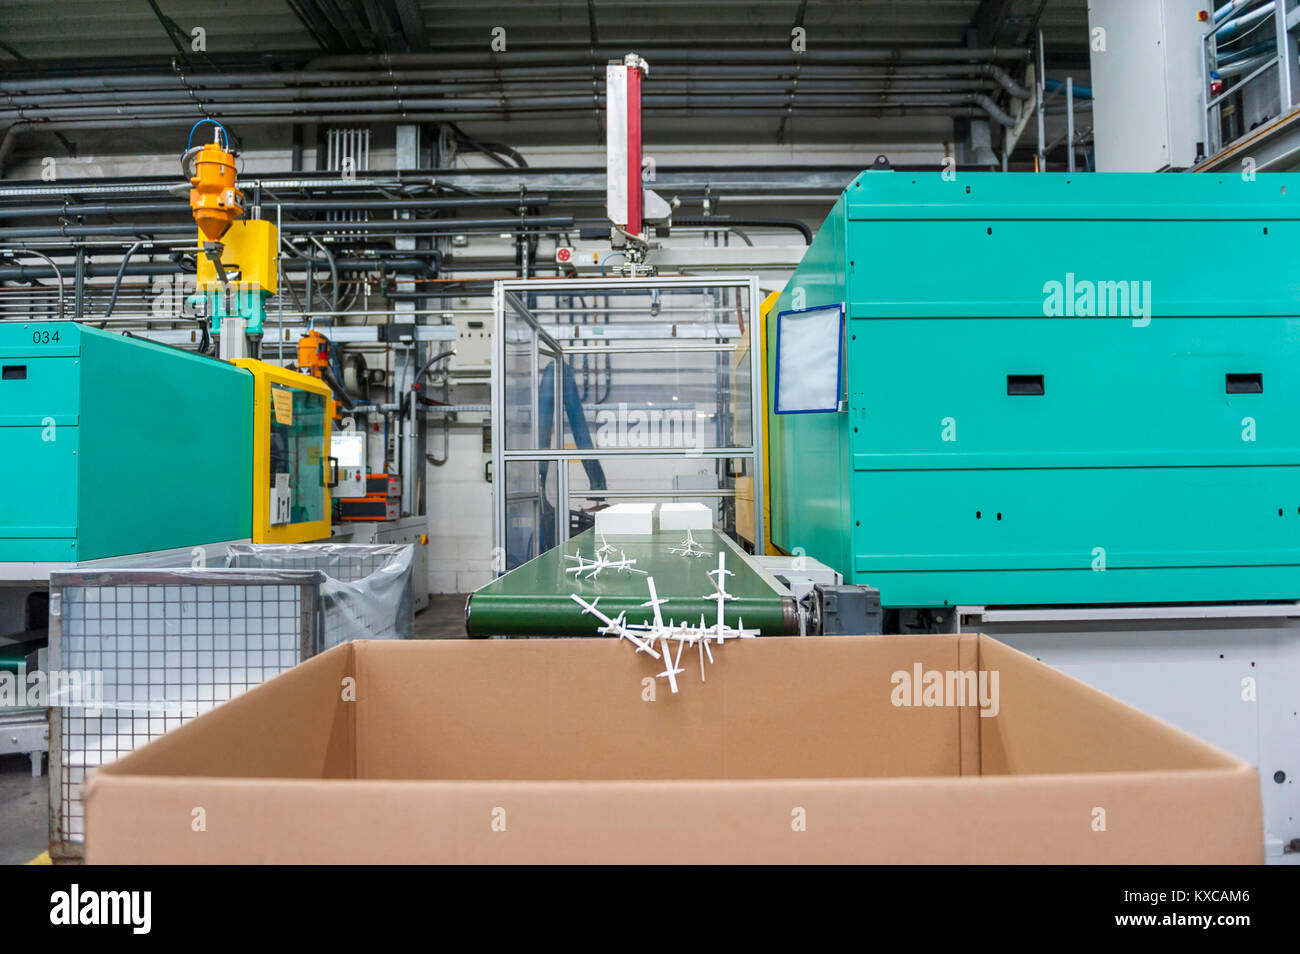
793 750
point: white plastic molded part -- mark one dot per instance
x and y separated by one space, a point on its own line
685 516
626 519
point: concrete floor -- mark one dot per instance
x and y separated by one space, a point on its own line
24 824
443 618
24 818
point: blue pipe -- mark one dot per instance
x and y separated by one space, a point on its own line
1080 92
1236 56
224 135
1234 27
577 420
1229 8
607 258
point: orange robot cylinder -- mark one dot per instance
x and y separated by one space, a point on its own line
313 353
214 200
314 359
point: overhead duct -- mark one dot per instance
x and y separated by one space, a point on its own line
364 89
393 226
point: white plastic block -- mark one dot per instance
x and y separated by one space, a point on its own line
685 516
635 519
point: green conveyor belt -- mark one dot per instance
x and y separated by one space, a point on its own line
14 656
534 599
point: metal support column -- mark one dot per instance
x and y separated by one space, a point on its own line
408 157
1069 121
1041 165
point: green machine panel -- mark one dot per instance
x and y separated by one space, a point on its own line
1058 389
114 445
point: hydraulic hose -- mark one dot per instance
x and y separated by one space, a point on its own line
726 222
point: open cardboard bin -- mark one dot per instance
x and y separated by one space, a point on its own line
568 750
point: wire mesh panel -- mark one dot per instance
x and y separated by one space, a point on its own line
148 650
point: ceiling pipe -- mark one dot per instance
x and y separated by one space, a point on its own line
389 68
683 110
93 270
397 226
394 89
431 117
28 273
283 182
450 107
32 91
678 54
161 207
846 105
175 102
54 268
18 85
725 222
37 106
1004 79
8 141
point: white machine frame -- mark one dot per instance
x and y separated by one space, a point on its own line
1225 673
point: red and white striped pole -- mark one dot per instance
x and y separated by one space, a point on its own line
624 198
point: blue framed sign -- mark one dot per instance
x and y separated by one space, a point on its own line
809 360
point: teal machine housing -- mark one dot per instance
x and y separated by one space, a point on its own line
112 445
1011 432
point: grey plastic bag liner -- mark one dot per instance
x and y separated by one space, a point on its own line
368 591
196 557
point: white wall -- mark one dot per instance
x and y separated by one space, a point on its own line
460 515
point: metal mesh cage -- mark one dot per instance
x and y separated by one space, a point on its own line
164 646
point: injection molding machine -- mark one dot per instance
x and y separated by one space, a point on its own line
116 445
1044 389
1062 410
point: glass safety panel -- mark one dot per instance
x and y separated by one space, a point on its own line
530 390
723 484
531 513
656 368
297 465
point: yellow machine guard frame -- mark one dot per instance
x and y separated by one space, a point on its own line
264 376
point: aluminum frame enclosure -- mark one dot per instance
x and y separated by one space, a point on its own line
662 336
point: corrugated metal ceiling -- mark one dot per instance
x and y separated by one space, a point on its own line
102 32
